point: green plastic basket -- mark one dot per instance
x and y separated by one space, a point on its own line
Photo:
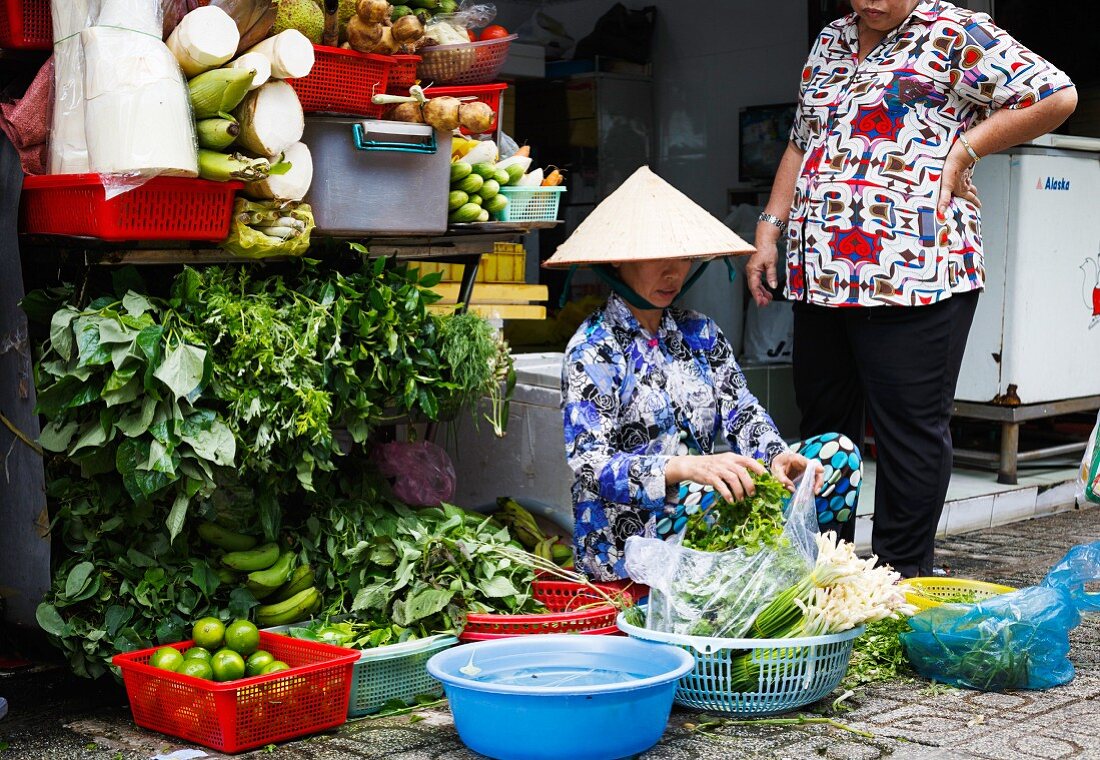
396 671
793 672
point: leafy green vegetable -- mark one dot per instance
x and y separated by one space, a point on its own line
753 523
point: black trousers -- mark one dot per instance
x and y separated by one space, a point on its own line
899 365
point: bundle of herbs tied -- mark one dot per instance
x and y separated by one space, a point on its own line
220 396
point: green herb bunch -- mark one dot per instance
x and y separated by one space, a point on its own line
753 523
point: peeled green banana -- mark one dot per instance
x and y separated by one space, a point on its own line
223 538
260 558
264 583
292 610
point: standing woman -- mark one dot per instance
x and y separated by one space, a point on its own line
898 101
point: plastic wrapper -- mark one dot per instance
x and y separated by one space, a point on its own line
423 473
719 594
544 30
1088 482
137 113
251 243
68 153
1018 640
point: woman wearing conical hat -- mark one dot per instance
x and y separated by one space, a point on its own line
650 391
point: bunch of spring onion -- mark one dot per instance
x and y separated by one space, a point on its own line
841 592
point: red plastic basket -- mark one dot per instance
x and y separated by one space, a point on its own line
486 93
164 208
26 25
234 716
562 598
402 74
467 63
343 82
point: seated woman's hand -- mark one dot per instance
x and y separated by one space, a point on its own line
728 473
788 465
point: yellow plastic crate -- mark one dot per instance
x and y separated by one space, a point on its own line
507 263
450 272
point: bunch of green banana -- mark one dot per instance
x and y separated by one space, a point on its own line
522 526
269 572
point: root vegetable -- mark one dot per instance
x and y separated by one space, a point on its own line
374 11
205 39
363 36
291 186
222 167
255 62
386 45
409 112
290 53
407 29
476 117
442 113
271 119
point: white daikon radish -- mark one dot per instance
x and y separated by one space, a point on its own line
484 152
254 62
524 162
533 179
271 119
206 38
290 53
291 186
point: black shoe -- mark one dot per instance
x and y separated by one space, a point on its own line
3 707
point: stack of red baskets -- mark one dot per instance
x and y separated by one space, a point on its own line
574 608
344 82
26 25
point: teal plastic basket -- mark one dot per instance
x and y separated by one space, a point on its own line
395 671
793 672
531 204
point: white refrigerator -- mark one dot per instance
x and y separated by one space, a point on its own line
1037 325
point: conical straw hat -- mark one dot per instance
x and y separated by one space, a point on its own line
646 219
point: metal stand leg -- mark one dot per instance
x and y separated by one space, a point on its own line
1010 449
466 287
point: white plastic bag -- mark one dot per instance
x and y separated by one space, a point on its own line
1088 481
719 594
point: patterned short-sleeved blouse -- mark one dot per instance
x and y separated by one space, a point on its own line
863 227
630 401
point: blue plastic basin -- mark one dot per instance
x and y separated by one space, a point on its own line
561 695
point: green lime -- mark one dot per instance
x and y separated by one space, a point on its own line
196 667
242 637
227 665
197 653
208 633
275 667
257 661
166 658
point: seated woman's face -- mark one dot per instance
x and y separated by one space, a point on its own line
658 282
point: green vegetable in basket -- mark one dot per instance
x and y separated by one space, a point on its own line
503 177
488 189
496 205
753 523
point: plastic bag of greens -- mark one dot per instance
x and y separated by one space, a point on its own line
719 594
1088 483
262 229
422 471
1018 640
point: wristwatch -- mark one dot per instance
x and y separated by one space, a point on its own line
772 219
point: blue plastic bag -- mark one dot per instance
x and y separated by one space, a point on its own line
1018 640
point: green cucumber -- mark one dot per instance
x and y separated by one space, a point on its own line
485 170
470 184
460 170
502 177
457 200
468 213
496 204
489 188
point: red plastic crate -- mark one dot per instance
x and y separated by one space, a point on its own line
26 25
164 208
486 93
234 716
562 598
343 82
402 74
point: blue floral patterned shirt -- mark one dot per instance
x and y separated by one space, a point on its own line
631 400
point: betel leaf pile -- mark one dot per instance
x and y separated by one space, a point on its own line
221 394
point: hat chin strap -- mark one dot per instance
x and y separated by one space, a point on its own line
610 276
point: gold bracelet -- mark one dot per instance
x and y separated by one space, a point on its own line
966 144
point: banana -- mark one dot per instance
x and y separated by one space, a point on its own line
301 579
264 583
561 553
223 538
296 608
542 550
520 523
227 576
260 558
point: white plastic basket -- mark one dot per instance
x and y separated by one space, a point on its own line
466 63
792 672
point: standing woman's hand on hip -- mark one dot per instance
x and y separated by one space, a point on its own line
957 180
762 269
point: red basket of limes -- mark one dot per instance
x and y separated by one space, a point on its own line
212 698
